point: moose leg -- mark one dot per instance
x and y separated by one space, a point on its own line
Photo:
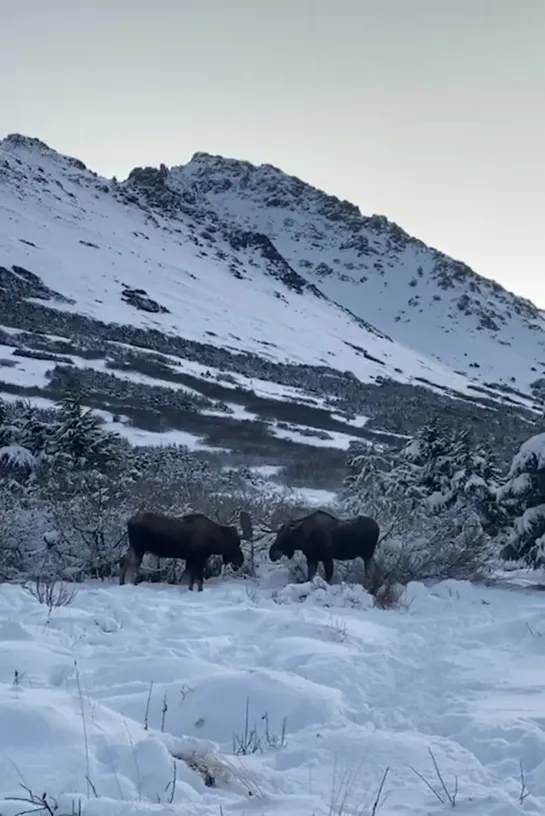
191 574
312 567
199 574
328 569
194 576
370 572
130 566
123 564
196 570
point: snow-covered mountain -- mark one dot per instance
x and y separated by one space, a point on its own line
246 260
418 296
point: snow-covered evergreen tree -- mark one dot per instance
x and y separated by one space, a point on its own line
435 453
79 441
84 480
35 431
475 483
431 500
4 423
451 471
21 516
523 498
430 470
17 455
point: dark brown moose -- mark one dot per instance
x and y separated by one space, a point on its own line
323 537
193 537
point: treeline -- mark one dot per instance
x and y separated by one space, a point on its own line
68 485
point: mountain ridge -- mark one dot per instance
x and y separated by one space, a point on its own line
472 290
245 260
338 208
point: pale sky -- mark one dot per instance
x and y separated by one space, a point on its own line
431 112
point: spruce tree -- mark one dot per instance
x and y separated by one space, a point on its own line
17 459
79 441
34 430
522 497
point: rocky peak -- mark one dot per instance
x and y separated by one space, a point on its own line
266 187
272 197
18 140
31 151
151 186
265 184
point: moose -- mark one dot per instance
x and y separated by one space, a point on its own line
193 537
323 537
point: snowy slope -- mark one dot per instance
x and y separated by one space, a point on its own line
420 297
134 700
88 244
176 238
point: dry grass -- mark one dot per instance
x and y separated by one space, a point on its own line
50 592
218 772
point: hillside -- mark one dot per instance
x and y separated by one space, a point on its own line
238 306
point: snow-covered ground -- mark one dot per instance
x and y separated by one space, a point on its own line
334 439
24 371
107 700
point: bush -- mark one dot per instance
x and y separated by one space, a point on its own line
441 549
52 593
23 523
88 525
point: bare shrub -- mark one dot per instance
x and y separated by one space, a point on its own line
338 630
22 523
171 496
285 510
88 515
443 549
386 591
50 592
45 803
